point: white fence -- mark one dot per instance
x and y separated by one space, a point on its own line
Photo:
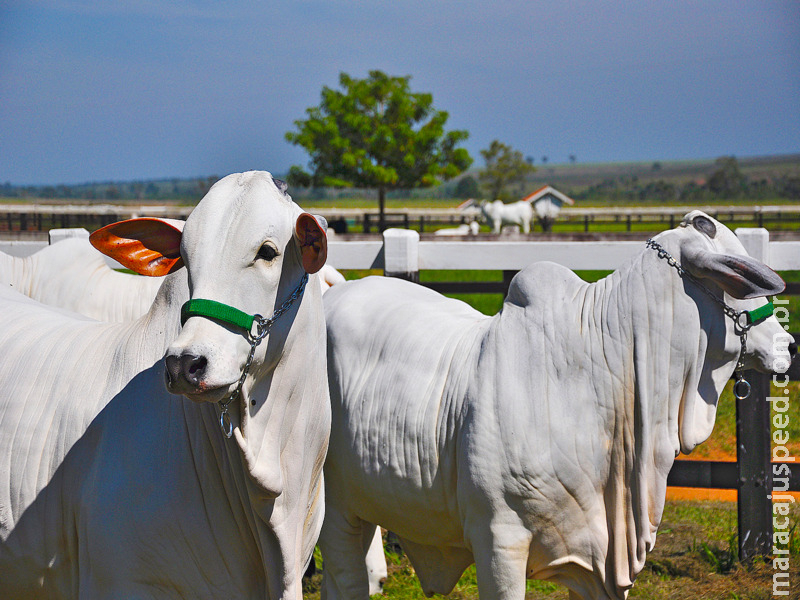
402 251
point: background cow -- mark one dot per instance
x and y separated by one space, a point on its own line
110 486
498 213
73 275
535 443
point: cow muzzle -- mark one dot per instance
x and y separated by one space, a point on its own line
185 371
188 374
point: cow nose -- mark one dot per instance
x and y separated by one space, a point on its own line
189 367
793 349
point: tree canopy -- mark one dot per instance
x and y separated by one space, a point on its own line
504 166
376 133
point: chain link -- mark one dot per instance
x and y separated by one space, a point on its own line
263 327
741 388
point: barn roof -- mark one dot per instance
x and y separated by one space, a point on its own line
548 190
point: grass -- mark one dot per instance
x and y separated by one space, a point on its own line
694 558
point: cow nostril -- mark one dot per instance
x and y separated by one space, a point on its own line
193 367
793 349
173 368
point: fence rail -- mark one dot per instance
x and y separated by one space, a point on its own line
42 216
401 253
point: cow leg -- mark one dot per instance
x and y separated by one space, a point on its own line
344 542
501 559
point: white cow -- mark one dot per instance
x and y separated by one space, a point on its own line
498 213
535 443
73 275
470 228
112 488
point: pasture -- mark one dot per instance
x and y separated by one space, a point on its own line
694 559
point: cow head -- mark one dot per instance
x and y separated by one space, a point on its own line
246 245
722 272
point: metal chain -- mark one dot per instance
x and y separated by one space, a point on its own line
741 388
263 327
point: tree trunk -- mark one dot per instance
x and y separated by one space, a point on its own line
381 209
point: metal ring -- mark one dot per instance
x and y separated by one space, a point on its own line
225 424
741 389
259 323
738 321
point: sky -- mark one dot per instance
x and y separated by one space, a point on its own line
99 90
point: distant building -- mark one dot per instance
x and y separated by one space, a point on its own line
547 202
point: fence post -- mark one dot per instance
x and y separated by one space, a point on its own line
401 254
753 441
56 235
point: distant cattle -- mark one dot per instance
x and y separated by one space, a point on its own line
110 487
470 228
498 213
535 443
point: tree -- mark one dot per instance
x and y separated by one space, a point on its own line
467 187
375 133
504 166
727 181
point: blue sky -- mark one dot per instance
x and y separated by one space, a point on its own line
94 90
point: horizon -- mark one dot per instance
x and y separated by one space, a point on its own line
472 170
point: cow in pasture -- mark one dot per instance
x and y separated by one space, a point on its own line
535 443
111 487
73 275
498 213
470 228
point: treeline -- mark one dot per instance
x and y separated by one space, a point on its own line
726 181
167 189
723 179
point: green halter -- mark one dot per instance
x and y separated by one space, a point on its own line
199 307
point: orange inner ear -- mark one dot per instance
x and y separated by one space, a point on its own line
313 243
147 246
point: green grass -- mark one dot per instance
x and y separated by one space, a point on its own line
694 557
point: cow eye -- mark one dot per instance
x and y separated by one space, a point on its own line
705 225
267 252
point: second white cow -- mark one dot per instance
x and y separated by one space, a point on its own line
73 275
535 443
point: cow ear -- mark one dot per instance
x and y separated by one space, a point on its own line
739 275
148 246
313 242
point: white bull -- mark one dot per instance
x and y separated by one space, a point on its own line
71 274
535 443
498 213
110 487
